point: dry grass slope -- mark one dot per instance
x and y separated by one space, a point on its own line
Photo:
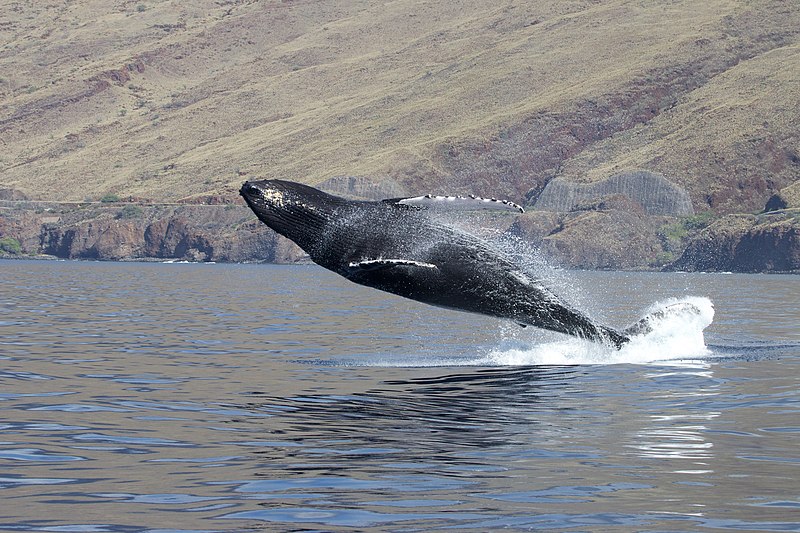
731 142
167 99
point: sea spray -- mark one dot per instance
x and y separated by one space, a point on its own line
674 337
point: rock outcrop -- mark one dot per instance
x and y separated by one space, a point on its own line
788 197
224 233
610 232
745 243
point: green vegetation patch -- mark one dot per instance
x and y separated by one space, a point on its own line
674 235
109 198
663 258
130 211
10 245
676 232
698 221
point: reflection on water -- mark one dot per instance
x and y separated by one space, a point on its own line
227 398
676 432
481 410
676 437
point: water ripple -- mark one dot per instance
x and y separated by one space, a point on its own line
35 454
137 397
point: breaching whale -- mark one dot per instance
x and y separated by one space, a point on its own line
396 246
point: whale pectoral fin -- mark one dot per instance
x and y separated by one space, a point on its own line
378 264
456 203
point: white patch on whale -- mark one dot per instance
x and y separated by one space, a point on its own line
461 203
372 264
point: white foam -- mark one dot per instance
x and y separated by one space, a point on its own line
675 338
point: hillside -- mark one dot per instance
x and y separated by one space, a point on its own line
161 100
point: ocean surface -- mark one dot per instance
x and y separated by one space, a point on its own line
202 397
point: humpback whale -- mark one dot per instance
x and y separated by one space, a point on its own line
395 245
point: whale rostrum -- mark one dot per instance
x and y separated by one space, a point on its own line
396 246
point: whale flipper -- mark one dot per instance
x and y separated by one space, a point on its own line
378 264
457 203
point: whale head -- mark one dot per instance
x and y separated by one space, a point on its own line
294 210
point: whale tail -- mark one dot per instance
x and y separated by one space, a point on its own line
660 318
650 321
617 339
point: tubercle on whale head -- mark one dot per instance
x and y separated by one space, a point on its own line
283 194
273 196
264 193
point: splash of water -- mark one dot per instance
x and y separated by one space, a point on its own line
674 337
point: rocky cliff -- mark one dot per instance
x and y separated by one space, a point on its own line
612 231
746 243
766 242
654 193
225 233
609 232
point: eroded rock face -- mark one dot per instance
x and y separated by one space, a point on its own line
107 239
192 233
24 227
534 226
773 246
655 193
745 243
175 237
610 239
603 232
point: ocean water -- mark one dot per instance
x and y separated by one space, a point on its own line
198 397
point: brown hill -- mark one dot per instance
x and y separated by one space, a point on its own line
167 100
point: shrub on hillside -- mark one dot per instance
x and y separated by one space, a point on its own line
109 198
10 246
130 211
